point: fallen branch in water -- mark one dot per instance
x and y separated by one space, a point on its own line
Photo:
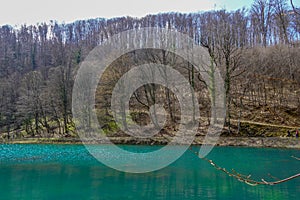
295 157
246 178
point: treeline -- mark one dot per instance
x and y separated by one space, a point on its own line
257 51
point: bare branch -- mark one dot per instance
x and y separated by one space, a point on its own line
294 8
281 181
246 178
295 157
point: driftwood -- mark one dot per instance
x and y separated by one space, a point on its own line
247 178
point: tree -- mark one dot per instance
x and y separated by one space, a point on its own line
282 19
30 104
261 13
223 46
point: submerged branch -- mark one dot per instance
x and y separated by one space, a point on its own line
281 181
295 157
247 178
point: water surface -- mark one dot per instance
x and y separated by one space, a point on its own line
70 172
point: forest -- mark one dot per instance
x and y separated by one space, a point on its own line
256 50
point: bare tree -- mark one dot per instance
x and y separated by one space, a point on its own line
261 13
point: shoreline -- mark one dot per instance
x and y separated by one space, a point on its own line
262 142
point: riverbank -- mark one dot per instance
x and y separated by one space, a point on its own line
275 142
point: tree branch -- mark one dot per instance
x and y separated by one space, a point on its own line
246 178
294 8
295 157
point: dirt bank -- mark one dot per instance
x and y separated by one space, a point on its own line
277 142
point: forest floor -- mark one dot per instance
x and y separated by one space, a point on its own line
258 128
266 135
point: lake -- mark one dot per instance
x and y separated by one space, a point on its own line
40 171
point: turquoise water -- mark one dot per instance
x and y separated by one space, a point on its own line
69 172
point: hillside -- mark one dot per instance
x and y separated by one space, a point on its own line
261 72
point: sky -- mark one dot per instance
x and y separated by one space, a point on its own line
15 12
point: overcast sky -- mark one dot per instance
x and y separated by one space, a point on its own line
15 12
